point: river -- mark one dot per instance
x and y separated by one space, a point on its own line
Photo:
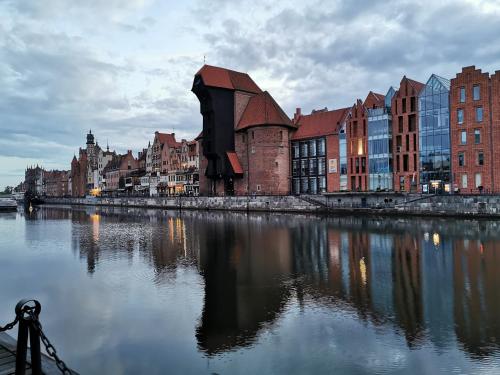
137 291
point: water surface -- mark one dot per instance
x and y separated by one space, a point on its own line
136 291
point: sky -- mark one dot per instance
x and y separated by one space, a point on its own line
124 68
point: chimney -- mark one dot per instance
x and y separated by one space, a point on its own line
297 114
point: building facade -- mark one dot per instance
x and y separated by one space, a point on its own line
405 135
434 136
315 156
471 131
245 138
380 145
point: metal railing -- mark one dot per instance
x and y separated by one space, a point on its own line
27 313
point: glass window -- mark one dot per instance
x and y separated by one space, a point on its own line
460 116
303 167
461 159
296 151
312 147
462 94
295 168
296 185
480 158
463 137
321 147
321 166
479 114
478 180
322 183
313 167
304 185
464 181
476 92
477 136
313 185
303 149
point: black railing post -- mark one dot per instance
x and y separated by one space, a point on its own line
22 347
27 311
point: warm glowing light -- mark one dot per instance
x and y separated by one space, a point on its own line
435 184
95 192
362 269
447 188
360 146
436 240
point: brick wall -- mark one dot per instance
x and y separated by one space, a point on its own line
357 149
404 109
495 123
332 153
467 79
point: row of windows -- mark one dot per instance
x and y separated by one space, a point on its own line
311 148
478 180
479 159
308 167
477 137
476 93
460 115
309 185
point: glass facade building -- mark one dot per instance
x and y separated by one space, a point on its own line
309 166
434 135
343 158
380 146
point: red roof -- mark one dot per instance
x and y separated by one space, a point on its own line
235 163
374 100
319 123
262 109
227 79
168 139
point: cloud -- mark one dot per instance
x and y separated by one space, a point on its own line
114 67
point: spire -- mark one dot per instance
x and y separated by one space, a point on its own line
107 145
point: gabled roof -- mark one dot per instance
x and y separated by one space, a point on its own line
214 76
374 99
319 123
262 109
167 138
416 85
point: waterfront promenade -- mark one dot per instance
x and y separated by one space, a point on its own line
340 203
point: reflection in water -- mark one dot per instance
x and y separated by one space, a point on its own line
430 281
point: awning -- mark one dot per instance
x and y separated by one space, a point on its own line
235 163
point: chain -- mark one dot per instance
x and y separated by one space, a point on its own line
51 350
9 326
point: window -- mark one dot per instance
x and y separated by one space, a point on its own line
462 94
321 166
407 142
476 92
296 150
413 107
477 136
460 116
321 147
404 105
312 147
405 163
253 135
461 159
463 137
478 180
479 114
464 181
281 135
480 158
400 124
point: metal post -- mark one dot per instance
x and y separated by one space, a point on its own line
36 358
22 347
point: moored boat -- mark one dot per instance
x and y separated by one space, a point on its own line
8 204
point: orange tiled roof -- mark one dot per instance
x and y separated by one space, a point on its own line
168 139
235 162
227 79
319 123
262 109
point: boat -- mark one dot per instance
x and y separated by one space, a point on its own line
8 205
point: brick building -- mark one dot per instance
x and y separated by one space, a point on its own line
56 183
245 139
164 144
495 125
471 131
118 169
315 151
79 174
357 141
405 135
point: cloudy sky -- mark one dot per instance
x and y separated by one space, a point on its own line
124 68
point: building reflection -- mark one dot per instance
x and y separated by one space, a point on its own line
430 281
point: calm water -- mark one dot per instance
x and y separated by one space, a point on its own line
131 291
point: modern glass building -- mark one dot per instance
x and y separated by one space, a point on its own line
380 145
434 135
343 158
309 166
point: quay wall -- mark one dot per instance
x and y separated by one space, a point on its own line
348 203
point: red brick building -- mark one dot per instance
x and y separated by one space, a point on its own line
495 124
244 146
315 151
79 174
405 135
56 183
357 141
471 131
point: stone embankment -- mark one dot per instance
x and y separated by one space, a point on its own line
338 203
